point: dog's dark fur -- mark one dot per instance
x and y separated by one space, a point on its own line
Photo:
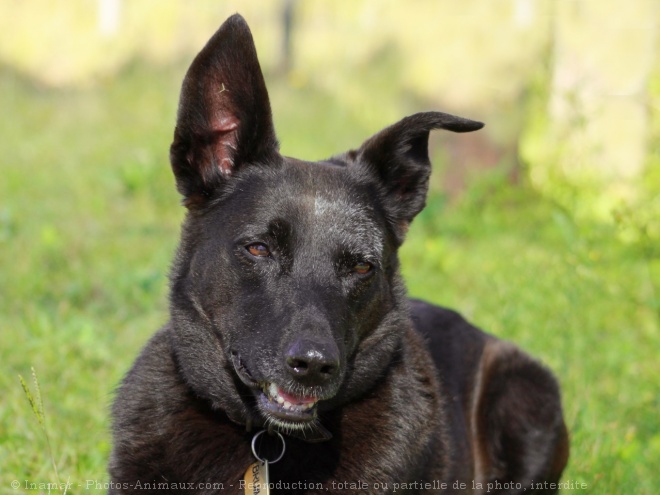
287 273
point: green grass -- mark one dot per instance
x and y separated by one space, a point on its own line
89 220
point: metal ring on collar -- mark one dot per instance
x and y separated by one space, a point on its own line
254 450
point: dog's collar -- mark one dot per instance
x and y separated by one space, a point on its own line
318 433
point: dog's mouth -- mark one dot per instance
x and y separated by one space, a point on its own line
283 408
281 405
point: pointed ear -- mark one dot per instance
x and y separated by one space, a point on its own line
224 118
398 156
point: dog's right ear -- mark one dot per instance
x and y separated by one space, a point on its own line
224 119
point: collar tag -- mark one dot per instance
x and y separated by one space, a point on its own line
256 481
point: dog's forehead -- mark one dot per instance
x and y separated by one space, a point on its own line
329 204
337 210
326 202
328 193
317 189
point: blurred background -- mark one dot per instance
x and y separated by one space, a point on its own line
543 228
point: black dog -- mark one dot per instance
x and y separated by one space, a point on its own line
288 313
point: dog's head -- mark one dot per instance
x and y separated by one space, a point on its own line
286 298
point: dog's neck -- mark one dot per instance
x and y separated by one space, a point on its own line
314 434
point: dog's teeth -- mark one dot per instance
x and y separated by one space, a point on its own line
272 393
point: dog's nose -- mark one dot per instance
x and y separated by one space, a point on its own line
313 362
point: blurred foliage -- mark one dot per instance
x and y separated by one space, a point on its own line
583 114
89 215
79 42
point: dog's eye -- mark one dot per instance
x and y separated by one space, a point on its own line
258 249
362 268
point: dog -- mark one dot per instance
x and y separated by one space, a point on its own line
293 361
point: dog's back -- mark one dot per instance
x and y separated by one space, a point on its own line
504 407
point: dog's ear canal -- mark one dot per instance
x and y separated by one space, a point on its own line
398 156
224 119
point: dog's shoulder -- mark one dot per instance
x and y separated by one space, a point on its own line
153 368
139 407
159 421
141 416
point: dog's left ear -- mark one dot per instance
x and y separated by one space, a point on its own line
398 155
224 119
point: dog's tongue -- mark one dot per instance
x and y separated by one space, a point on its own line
294 399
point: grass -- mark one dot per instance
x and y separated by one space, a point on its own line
37 404
89 221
